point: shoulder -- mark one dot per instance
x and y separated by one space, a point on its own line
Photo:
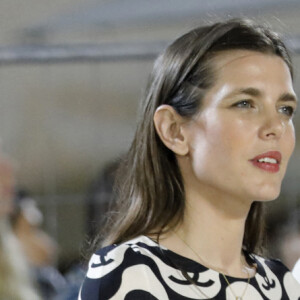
111 267
273 276
112 257
266 265
296 271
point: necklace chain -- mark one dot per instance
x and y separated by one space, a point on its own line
225 277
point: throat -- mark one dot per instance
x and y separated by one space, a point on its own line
215 243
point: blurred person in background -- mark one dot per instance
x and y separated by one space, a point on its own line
100 198
15 277
40 249
286 240
214 137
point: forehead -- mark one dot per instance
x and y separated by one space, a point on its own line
244 66
241 70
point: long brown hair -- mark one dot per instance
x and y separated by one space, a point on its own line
150 190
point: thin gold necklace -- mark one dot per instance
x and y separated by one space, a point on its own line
228 283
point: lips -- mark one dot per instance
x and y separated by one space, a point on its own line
269 161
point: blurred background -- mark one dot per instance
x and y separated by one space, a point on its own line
71 76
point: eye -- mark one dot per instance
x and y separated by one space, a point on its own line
287 110
244 104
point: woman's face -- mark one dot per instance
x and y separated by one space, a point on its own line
243 136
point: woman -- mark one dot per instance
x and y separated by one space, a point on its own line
212 144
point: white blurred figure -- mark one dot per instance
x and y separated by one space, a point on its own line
39 248
15 280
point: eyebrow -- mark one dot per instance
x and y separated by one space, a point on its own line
257 93
288 97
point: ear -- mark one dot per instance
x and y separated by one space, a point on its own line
169 126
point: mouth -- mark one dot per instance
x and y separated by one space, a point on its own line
269 161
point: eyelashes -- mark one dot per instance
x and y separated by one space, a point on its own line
288 110
244 104
249 104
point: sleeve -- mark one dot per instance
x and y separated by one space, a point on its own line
290 286
118 272
102 279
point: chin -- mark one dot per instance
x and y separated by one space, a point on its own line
267 194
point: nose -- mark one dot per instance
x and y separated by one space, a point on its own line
272 127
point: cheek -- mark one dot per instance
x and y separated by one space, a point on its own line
289 141
222 140
231 137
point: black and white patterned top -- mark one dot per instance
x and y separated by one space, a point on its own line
142 269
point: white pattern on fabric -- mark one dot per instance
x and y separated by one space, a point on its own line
269 284
99 266
141 269
289 281
176 281
146 281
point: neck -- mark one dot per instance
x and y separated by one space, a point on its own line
213 228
